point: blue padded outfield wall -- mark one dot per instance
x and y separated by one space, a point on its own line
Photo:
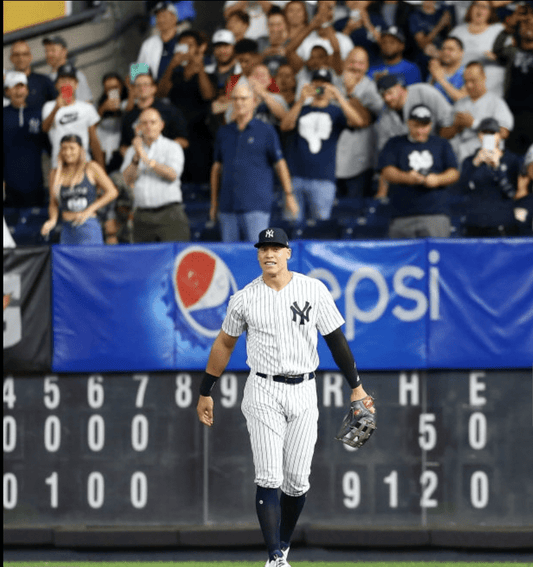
407 304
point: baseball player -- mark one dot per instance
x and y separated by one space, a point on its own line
281 311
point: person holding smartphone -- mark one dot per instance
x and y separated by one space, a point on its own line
67 115
489 181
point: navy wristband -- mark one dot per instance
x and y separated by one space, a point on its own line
208 381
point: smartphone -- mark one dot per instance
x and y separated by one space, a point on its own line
114 93
489 142
66 93
181 48
319 90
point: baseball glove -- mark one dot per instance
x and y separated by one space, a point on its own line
358 424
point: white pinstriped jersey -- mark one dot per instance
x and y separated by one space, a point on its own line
282 325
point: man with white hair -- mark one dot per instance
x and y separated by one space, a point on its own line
242 178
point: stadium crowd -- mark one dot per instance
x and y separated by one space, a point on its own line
347 119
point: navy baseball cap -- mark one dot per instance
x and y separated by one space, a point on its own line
322 75
395 32
273 236
388 81
489 125
420 113
55 40
67 70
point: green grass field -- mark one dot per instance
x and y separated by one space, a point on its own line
247 563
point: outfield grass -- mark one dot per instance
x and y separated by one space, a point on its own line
246 563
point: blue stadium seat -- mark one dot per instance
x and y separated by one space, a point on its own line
318 230
205 232
348 208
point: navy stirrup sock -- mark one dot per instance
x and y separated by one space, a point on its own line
269 514
291 507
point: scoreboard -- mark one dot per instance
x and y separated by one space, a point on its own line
451 449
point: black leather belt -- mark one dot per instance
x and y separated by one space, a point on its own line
294 379
158 209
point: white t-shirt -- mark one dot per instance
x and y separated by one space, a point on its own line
475 46
75 118
304 51
487 106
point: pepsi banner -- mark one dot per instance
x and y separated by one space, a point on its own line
407 304
27 307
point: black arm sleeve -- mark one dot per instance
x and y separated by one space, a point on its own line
343 357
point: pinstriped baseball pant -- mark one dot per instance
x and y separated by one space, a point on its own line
282 421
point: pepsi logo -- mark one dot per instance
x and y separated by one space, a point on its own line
203 285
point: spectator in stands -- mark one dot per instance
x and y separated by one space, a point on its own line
256 13
446 70
419 168
68 115
190 89
363 27
489 178
392 46
225 64
157 51
23 145
396 13
273 49
354 167
317 122
429 24
286 82
57 56
478 35
518 56
242 180
40 87
153 166
399 100
298 51
470 110
175 126
238 23
319 58
296 17
523 206
247 54
111 107
78 188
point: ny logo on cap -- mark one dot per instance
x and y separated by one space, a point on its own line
269 234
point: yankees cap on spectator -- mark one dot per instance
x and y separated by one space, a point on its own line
323 43
15 78
223 36
388 81
322 75
67 70
55 40
421 113
395 32
165 6
489 125
273 236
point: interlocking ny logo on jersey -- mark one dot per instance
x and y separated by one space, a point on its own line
303 313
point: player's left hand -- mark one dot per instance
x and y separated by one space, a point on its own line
204 409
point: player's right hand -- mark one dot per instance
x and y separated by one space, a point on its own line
204 409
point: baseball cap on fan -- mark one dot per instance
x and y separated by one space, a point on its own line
14 78
272 236
322 75
421 113
165 6
489 126
67 70
223 36
394 31
55 40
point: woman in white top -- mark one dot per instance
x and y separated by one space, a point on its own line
478 34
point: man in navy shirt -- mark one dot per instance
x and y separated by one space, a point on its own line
418 167
311 153
242 178
392 46
24 143
40 87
